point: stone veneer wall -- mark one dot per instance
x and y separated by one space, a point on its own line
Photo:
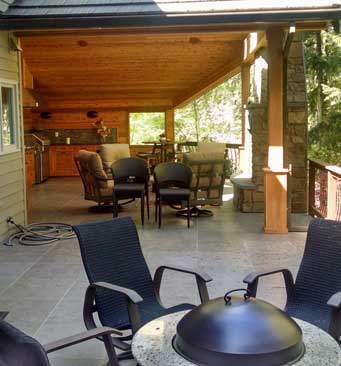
296 128
295 131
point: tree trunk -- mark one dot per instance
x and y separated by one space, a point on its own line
319 79
196 120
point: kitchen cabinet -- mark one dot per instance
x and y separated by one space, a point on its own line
62 163
30 172
30 167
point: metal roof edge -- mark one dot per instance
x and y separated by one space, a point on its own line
70 22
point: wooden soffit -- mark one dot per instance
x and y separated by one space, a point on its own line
129 70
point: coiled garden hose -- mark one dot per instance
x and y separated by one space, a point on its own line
39 233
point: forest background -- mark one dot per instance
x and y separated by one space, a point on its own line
216 116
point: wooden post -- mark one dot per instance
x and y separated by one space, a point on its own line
275 220
331 197
312 178
245 153
169 124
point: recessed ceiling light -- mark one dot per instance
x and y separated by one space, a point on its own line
82 43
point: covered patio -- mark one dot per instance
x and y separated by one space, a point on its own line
67 61
114 71
227 246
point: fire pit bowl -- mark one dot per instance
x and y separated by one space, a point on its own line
238 331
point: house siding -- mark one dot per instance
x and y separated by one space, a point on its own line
12 179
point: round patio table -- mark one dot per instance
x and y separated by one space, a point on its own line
152 344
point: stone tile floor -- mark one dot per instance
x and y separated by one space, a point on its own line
43 286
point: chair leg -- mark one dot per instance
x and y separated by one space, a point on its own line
156 206
114 205
188 214
147 198
142 207
113 361
160 211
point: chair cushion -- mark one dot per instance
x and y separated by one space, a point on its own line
91 161
152 310
197 157
149 310
177 193
18 349
112 152
129 187
106 193
211 147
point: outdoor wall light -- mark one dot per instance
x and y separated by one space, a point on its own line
92 114
45 115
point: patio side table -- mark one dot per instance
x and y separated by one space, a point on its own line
152 344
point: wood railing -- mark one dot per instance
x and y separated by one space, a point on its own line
324 190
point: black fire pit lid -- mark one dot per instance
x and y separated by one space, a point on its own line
238 331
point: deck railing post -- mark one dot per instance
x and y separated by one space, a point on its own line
312 180
331 197
326 200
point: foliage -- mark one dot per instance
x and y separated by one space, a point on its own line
146 127
216 116
323 67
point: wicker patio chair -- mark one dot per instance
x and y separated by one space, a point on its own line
131 178
315 296
172 184
97 184
121 288
208 179
19 349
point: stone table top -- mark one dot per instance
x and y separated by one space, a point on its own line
152 344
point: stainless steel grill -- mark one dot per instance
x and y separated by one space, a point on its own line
41 146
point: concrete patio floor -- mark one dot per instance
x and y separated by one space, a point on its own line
43 286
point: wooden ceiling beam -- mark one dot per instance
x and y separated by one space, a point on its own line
72 109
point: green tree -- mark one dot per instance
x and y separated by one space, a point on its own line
146 127
323 67
216 116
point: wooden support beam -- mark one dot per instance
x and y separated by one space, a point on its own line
169 124
245 73
275 220
245 151
251 54
27 77
208 84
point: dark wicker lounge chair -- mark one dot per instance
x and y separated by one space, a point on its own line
19 349
316 294
121 288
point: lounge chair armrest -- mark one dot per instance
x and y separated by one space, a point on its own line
335 300
85 336
200 274
131 295
252 279
201 279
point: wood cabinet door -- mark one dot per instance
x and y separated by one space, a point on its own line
62 162
30 168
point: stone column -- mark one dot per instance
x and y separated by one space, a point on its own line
296 128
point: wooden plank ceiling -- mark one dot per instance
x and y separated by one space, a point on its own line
128 71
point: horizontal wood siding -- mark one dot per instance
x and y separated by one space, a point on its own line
12 197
